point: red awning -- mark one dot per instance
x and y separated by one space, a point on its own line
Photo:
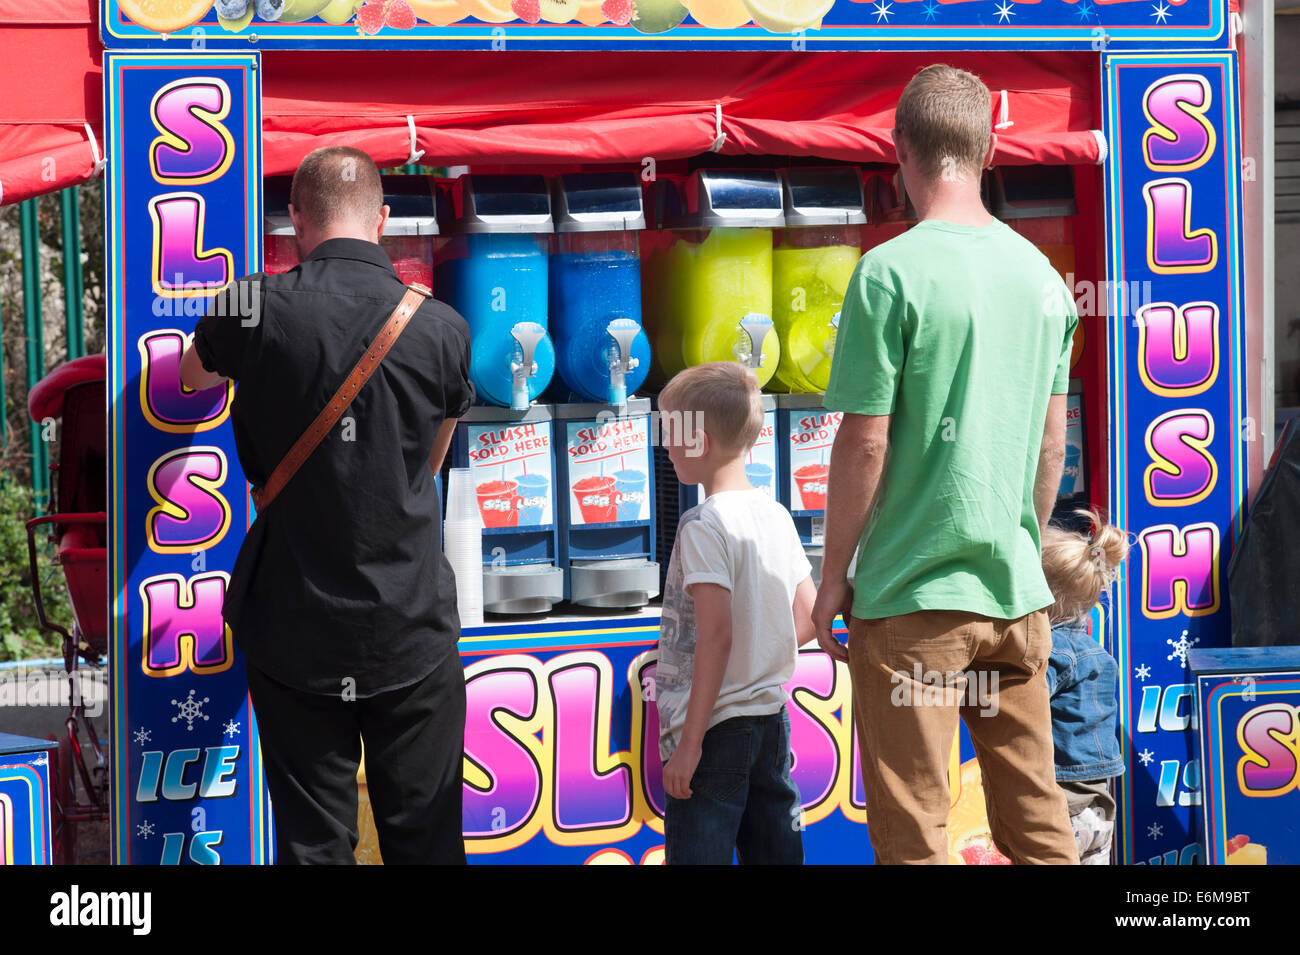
516 107
621 107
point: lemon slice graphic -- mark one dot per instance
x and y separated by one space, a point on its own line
787 16
165 16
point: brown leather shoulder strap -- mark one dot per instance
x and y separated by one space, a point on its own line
316 431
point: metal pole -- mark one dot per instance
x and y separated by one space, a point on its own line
35 346
72 277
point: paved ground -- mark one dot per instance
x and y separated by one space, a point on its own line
34 702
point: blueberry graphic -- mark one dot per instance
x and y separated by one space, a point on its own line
232 9
270 10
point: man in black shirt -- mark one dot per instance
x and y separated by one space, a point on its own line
341 598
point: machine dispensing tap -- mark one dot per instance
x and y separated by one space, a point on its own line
749 350
527 334
623 332
829 347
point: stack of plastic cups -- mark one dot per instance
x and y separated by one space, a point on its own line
462 542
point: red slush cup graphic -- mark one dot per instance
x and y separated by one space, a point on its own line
811 480
597 499
498 502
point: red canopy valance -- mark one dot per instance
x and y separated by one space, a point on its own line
514 107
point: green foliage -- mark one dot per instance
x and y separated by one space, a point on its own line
21 637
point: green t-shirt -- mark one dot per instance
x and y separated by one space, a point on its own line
960 333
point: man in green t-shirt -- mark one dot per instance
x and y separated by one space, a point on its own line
951 365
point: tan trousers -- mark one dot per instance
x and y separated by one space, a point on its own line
901 667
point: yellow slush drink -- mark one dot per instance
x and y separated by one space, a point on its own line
808 288
728 276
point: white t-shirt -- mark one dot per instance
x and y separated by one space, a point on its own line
746 542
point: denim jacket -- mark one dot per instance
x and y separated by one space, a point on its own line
1083 681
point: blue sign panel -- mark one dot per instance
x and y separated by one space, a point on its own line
1177 431
184 192
1249 701
24 801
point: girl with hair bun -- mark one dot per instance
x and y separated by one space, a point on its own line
1083 679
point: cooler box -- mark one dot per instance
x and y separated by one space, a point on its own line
1248 701
25 806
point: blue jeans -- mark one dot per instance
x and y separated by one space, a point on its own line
743 799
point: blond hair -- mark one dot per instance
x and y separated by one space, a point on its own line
726 395
946 117
1078 567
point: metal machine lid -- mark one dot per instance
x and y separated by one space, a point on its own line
590 410
496 203
830 195
410 206
505 416
1032 192
409 200
737 198
277 225
275 205
597 202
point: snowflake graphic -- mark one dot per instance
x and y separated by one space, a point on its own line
882 10
1005 13
190 710
1084 10
931 10
1154 831
232 728
142 735
1146 756
1180 647
1162 12
1142 672
144 830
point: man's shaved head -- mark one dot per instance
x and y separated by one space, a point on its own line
337 185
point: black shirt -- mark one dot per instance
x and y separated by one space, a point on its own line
343 578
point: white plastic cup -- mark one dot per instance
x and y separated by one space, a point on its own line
462 542
462 497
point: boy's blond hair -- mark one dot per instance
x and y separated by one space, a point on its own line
946 117
726 395
1078 567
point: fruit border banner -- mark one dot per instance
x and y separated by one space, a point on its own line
184 219
1177 417
1250 719
661 24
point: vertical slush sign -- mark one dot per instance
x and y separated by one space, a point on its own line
1178 426
184 196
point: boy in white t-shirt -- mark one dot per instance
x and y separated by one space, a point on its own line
737 606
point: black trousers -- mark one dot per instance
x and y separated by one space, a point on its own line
414 739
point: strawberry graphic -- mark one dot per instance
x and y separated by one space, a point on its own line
620 12
530 11
1236 842
370 18
399 15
